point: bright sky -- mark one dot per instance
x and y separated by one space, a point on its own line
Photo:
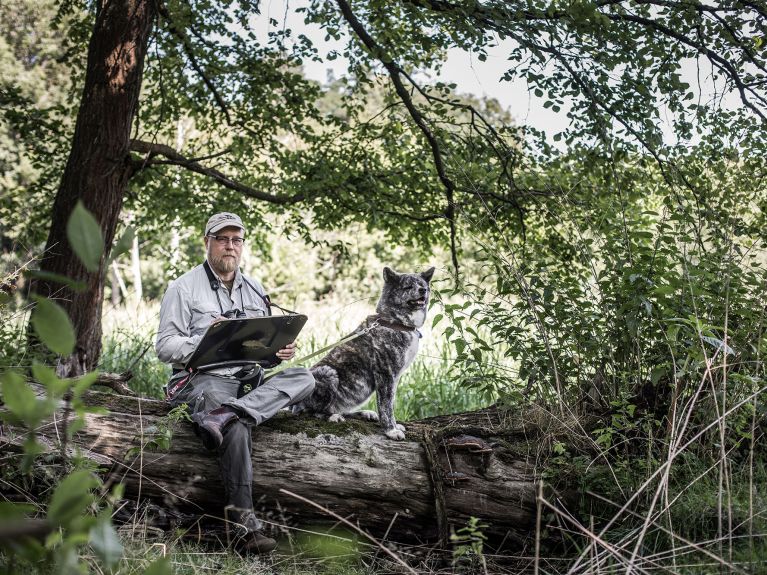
469 74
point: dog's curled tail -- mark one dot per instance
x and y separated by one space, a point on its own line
326 380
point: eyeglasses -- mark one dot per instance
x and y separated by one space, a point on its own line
224 240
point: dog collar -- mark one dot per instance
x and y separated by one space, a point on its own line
396 325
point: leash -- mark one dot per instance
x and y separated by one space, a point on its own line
282 367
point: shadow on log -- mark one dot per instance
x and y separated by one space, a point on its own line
486 464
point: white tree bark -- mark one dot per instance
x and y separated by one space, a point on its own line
138 288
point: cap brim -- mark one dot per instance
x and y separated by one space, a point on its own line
221 226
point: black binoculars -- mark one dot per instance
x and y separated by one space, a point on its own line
234 314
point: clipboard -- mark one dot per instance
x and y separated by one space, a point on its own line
246 340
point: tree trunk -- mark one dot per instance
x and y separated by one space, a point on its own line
415 490
97 171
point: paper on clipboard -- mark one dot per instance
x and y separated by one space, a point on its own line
256 339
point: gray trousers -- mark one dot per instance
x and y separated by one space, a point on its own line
205 392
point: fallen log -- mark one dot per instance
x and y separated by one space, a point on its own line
485 464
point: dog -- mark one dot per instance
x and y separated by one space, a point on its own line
374 361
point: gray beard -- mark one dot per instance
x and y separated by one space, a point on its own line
223 265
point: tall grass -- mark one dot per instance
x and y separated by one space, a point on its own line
426 389
128 345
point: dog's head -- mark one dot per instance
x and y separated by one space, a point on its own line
405 296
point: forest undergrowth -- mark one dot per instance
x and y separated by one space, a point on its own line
642 332
639 313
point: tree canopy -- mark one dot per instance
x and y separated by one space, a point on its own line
224 117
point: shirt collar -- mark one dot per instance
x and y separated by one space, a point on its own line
237 277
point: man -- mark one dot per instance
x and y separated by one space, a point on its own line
192 302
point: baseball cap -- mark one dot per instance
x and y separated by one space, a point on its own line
223 220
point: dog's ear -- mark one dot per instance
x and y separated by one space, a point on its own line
390 275
427 274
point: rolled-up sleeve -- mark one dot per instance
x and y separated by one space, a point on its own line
175 343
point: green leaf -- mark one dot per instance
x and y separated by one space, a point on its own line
84 382
103 538
436 320
51 277
53 327
11 511
31 450
67 560
664 290
718 344
657 373
75 426
72 497
47 376
160 567
85 237
19 398
123 244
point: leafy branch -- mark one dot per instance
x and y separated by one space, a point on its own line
189 51
394 73
152 150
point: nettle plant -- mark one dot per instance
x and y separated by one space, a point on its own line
78 513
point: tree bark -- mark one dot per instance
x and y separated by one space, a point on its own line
415 490
97 170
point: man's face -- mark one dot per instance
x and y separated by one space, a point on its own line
224 257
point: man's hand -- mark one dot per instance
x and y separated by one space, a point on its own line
287 352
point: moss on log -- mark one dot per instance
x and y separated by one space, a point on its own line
414 490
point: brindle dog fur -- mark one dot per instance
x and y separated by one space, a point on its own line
373 362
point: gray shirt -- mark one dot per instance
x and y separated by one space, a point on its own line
190 305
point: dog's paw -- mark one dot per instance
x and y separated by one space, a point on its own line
336 418
368 415
395 434
400 427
